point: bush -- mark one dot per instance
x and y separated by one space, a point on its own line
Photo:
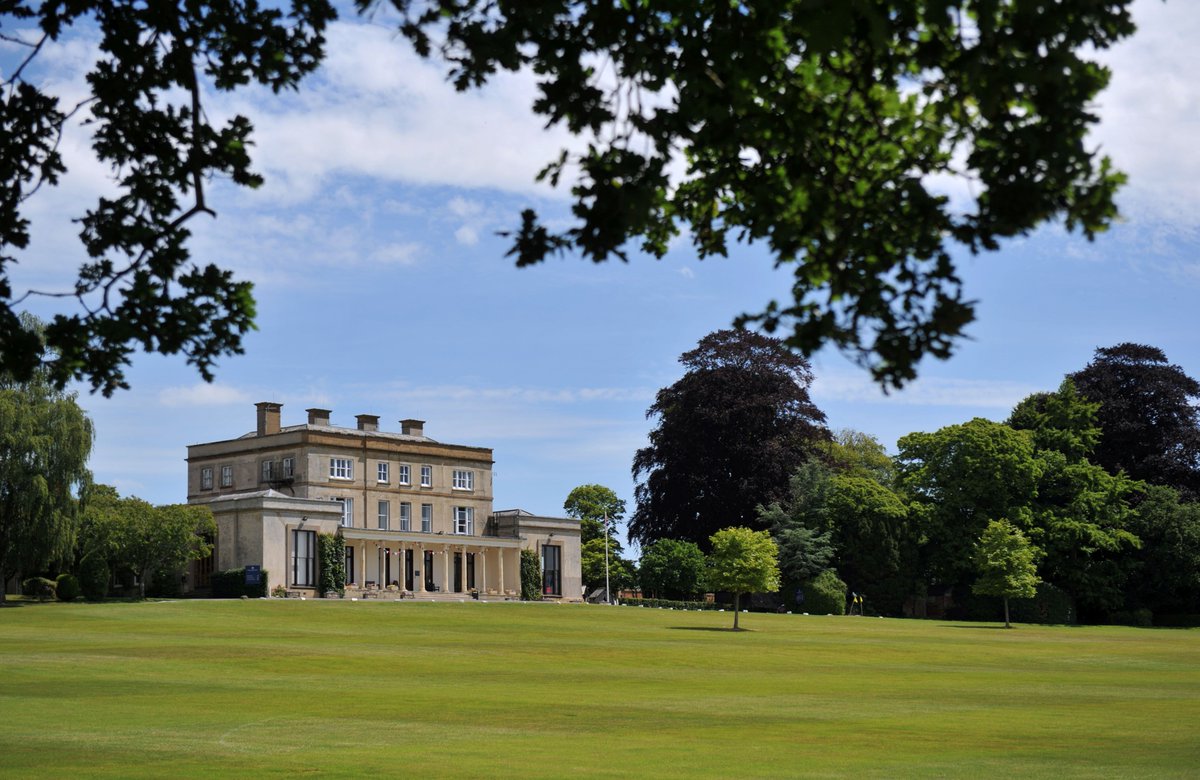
672 604
531 576
93 577
231 584
825 594
1142 618
66 587
165 583
39 587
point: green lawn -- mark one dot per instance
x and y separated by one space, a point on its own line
390 689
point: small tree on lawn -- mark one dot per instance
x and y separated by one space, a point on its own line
531 576
1007 564
743 561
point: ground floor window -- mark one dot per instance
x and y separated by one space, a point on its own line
304 558
408 569
428 570
551 570
350 564
470 571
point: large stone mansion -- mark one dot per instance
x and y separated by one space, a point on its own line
416 513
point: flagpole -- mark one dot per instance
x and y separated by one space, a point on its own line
607 592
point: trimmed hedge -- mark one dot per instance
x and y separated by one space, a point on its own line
231 584
531 576
672 604
825 594
39 587
67 587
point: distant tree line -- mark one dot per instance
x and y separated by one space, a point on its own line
1084 504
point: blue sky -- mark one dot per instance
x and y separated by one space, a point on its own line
382 287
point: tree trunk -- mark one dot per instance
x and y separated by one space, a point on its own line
737 604
1006 623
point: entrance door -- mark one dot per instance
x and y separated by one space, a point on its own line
387 563
408 567
458 570
428 570
471 571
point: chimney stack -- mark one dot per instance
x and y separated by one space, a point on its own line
412 427
367 422
318 417
268 417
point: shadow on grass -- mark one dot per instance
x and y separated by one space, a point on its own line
719 629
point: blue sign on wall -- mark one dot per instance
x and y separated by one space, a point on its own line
253 575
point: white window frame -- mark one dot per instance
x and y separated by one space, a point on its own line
206 478
464 520
385 515
426 518
289 468
382 472
405 516
341 468
267 470
226 476
427 476
464 479
403 474
347 510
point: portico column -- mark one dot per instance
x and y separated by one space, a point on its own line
500 558
483 571
462 572
445 567
362 577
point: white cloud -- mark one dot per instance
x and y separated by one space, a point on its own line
928 391
202 395
466 235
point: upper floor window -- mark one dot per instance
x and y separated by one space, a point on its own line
427 476
347 510
268 470
385 515
206 478
402 474
341 468
427 518
464 480
464 520
226 476
289 468
405 516
381 473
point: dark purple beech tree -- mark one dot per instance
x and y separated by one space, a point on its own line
1148 417
817 129
729 435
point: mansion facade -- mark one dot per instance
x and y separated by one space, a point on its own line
416 514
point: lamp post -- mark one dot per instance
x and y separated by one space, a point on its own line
607 592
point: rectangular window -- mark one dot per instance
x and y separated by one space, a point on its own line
405 516
341 468
226 476
464 480
382 473
427 476
427 518
551 570
350 565
268 470
206 478
289 468
464 520
304 558
402 477
347 510
385 515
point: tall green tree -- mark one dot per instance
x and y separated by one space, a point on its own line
45 441
591 504
1166 574
861 454
1149 416
742 561
617 572
961 477
150 539
730 433
1007 564
671 569
799 525
795 122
